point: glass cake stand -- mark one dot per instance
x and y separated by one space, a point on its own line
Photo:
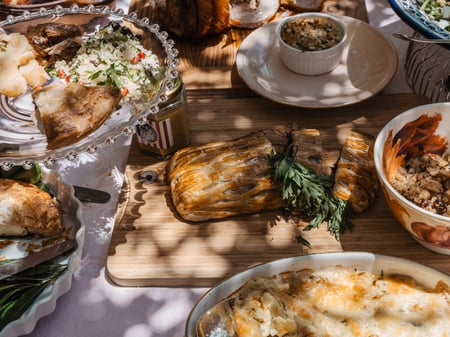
21 142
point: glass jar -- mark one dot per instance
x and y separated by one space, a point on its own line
168 130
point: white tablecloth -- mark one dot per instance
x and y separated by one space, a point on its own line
96 308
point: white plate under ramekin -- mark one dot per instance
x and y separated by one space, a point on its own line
365 69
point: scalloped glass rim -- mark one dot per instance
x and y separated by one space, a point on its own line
33 6
409 11
127 128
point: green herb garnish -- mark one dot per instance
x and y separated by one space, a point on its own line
312 194
19 291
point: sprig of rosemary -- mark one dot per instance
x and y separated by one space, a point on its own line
312 194
19 291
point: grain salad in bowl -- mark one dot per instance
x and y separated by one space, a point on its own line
311 43
412 162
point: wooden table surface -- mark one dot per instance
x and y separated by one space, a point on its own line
152 246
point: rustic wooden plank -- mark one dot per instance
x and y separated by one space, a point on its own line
151 246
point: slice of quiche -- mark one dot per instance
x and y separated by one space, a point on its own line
25 209
68 112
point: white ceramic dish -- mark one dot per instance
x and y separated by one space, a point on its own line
365 69
316 62
361 260
46 302
243 16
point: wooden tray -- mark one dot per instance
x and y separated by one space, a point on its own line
151 246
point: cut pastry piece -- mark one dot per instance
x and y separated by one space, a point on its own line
205 17
252 13
309 148
25 209
223 179
67 113
356 177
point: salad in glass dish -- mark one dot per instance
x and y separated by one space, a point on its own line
85 98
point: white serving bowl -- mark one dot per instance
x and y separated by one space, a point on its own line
429 229
377 264
311 62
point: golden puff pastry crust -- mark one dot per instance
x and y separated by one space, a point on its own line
356 178
25 209
223 179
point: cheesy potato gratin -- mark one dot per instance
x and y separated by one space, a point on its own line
340 301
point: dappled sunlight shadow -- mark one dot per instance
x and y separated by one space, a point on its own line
209 62
152 246
102 309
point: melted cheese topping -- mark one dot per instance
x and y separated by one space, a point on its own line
341 301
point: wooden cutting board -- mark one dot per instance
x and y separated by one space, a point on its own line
152 246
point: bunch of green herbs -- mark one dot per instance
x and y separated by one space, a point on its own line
18 292
310 193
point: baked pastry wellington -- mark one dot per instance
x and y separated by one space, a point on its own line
25 209
308 148
224 178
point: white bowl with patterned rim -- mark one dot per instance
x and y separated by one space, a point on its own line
394 144
411 13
